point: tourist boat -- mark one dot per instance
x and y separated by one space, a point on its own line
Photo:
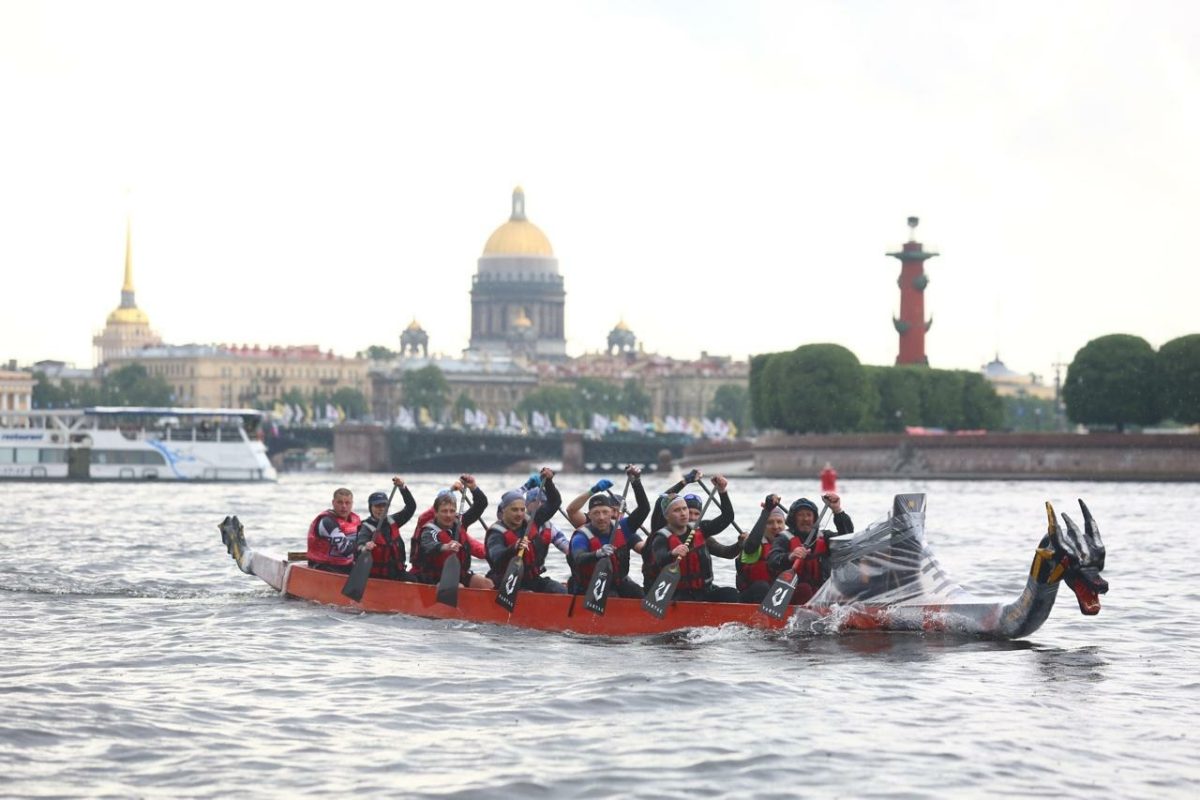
128 443
882 578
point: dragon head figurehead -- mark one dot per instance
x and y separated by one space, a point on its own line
1075 556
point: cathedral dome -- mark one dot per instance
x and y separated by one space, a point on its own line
518 236
128 316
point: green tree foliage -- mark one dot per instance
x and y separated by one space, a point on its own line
462 404
1179 371
552 400
426 388
899 393
351 401
731 403
817 388
758 397
1113 380
942 399
377 352
634 399
130 385
982 408
1023 414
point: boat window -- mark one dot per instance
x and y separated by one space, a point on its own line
127 457
27 455
6 455
58 456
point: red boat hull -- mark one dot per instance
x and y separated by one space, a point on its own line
547 612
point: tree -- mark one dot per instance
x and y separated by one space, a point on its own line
822 389
758 394
426 388
899 390
1179 371
731 402
552 401
634 399
462 404
132 385
942 399
377 352
48 395
351 401
982 408
1113 380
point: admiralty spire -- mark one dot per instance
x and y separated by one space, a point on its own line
127 328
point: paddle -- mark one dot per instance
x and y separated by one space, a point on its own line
711 496
356 582
659 596
510 584
597 589
447 585
775 604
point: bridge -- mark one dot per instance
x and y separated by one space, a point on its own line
375 448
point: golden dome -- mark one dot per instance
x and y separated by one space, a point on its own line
523 321
128 316
621 326
414 325
518 236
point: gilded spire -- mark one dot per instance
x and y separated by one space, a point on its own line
518 211
127 289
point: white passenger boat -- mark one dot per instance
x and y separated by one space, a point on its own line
128 443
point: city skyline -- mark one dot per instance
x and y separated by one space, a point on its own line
723 177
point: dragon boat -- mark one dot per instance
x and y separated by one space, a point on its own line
884 577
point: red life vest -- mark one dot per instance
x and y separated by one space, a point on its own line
583 572
691 575
429 565
388 554
748 573
535 552
810 566
319 551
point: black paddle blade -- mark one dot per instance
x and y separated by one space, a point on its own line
775 604
356 582
510 584
659 596
597 589
447 585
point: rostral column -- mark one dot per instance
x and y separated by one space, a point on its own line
911 324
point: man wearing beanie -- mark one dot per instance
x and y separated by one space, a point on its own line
754 575
388 555
608 534
807 547
505 537
670 542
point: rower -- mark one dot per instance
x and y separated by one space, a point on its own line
388 556
445 536
608 534
681 515
513 527
754 575
333 535
795 545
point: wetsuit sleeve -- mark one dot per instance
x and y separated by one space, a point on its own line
711 527
631 533
843 523
479 504
732 550
552 504
636 517
580 552
410 505
660 549
754 538
778 559
429 540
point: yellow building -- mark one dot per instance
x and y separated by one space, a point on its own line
127 328
16 390
206 376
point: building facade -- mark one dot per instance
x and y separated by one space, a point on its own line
127 328
517 294
16 391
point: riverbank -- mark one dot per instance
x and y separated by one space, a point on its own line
990 456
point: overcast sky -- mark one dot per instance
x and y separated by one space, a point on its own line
725 176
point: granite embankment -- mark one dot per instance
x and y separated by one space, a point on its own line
992 456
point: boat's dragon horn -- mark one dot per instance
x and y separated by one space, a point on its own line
1074 556
234 538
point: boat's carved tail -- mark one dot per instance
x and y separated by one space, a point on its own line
234 538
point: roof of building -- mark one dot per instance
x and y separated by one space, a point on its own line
518 236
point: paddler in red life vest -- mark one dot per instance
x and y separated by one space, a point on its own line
682 516
503 540
813 557
388 556
441 537
630 520
606 536
333 535
754 576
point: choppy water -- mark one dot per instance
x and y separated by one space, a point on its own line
138 661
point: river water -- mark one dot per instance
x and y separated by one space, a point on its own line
139 662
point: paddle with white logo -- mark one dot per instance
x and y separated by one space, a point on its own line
660 594
775 604
596 596
510 584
